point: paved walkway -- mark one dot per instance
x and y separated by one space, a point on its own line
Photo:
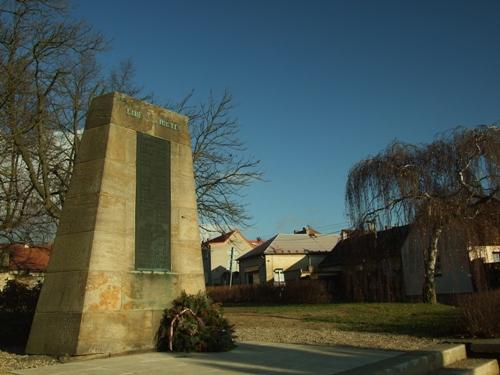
247 358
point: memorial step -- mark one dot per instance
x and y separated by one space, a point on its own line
471 366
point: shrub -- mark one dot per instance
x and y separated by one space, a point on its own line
194 323
300 291
18 297
17 308
480 312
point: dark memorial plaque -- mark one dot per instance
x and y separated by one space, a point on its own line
152 213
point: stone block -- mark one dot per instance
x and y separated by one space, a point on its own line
71 252
93 145
121 145
184 225
185 258
192 283
148 290
182 160
86 179
111 252
62 292
103 291
79 214
112 214
183 192
100 111
120 179
57 333
116 332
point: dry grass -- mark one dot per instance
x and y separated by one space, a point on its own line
480 313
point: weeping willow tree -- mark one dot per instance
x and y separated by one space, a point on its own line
452 182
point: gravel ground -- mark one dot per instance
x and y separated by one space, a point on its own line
9 361
294 331
253 327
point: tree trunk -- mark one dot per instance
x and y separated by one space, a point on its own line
429 287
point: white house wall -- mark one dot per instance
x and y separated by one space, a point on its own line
220 254
283 261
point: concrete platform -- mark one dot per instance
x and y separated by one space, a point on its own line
247 358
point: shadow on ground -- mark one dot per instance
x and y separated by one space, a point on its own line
257 358
247 358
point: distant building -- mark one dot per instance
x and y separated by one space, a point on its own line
285 257
388 265
218 253
23 263
487 253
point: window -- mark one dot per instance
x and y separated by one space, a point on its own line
279 276
496 256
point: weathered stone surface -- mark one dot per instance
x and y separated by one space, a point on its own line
113 254
116 332
56 332
86 178
148 290
93 145
71 252
63 292
79 214
94 299
121 145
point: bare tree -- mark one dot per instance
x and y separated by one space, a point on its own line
221 168
40 51
452 182
48 76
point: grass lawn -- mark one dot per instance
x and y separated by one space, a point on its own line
414 319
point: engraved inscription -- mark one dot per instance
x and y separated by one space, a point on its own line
152 223
165 123
134 113
168 124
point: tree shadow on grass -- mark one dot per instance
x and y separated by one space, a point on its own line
431 325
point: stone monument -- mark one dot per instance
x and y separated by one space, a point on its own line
128 239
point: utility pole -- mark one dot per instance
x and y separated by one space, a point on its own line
231 267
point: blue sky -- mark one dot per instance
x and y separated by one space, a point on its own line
319 85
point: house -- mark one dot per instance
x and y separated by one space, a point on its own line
388 265
366 266
484 258
285 257
487 253
220 254
23 263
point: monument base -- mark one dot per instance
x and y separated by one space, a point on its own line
123 313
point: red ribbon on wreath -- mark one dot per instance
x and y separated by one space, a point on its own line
175 319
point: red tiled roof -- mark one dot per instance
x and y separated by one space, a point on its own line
226 236
222 238
22 257
256 242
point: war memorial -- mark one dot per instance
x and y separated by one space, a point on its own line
128 239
